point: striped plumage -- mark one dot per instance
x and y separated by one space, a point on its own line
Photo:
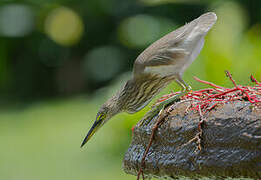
137 93
158 65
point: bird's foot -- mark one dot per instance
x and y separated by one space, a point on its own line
189 91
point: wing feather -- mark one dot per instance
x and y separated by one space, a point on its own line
166 50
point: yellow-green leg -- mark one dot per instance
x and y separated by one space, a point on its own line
158 109
185 89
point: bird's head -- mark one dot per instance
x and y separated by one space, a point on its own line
105 113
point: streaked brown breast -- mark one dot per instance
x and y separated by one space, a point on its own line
140 91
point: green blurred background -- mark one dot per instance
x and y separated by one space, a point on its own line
61 59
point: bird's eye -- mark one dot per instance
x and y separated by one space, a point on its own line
101 116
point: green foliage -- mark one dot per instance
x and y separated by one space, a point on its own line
43 142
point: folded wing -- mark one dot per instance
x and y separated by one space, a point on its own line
176 47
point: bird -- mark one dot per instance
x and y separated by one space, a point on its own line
161 63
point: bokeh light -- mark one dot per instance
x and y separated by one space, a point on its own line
141 30
16 20
64 26
103 63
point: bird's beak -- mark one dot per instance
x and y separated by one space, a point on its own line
93 129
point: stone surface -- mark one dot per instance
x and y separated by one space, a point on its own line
231 144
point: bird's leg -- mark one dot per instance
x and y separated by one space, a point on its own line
185 89
183 84
156 110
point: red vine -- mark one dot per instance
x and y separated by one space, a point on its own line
208 99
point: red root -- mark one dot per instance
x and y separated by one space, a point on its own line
207 99
254 80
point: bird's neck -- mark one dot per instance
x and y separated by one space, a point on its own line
137 93
113 105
